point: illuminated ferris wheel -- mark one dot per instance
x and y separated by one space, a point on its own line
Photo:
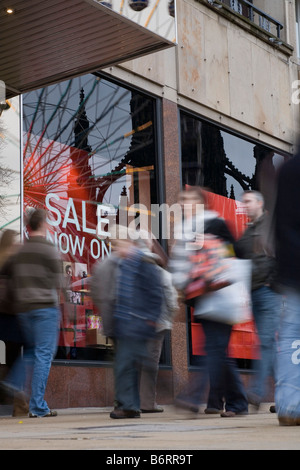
84 139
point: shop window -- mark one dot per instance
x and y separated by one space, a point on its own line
10 167
226 165
88 143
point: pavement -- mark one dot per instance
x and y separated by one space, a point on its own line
173 432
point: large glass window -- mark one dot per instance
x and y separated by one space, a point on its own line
10 191
87 142
10 177
226 164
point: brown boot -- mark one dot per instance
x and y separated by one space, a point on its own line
21 405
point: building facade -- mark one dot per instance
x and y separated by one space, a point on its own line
220 110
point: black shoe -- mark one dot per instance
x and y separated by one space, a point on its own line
288 421
20 405
212 411
272 409
124 414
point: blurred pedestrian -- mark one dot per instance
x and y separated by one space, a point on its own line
10 331
266 302
103 289
134 305
225 382
7 320
37 278
149 371
287 236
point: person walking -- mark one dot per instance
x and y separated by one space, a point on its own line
133 302
287 241
266 302
225 382
137 308
37 279
149 372
10 331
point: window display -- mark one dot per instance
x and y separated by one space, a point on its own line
10 168
226 165
88 144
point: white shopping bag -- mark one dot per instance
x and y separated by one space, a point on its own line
231 304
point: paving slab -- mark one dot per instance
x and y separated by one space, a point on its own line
172 431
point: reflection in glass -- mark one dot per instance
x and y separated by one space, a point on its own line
223 162
87 142
226 165
10 166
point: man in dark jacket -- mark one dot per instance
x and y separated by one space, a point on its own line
266 302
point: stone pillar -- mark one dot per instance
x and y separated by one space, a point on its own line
171 151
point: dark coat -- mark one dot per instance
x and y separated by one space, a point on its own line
142 308
219 228
252 245
139 299
6 288
10 329
287 224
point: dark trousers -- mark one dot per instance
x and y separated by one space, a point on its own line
130 354
220 371
149 372
224 378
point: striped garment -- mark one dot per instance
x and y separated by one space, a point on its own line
180 264
139 297
127 273
37 275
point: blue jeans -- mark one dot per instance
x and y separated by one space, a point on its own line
130 354
40 328
225 381
220 371
266 308
287 386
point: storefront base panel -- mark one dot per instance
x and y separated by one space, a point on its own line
74 387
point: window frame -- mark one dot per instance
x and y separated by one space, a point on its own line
159 196
196 362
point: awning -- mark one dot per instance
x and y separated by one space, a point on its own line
44 42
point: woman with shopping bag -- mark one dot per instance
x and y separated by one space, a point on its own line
225 383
